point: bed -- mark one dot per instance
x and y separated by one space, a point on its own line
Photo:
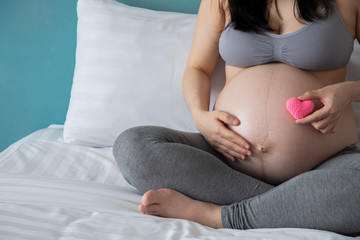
62 182
53 190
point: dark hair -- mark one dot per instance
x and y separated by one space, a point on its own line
252 15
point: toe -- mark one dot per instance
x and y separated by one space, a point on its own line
141 209
150 197
150 210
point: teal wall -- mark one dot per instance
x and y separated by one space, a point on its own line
37 58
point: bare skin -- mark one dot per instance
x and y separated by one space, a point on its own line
280 148
172 204
202 60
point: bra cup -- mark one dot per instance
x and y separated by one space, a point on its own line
235 49
320 45
319 52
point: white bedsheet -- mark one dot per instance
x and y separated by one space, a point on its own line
52 190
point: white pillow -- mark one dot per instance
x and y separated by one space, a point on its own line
129 67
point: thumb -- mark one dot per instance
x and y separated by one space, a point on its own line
228 118
309 95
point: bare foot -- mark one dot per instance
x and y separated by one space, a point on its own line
172 204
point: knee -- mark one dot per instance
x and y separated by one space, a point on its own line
127 146
131 151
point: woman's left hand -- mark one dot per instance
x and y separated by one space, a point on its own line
335 99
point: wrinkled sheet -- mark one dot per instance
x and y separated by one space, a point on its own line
53 190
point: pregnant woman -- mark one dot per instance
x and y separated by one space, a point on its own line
253 165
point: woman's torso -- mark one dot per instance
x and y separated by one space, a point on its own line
257 95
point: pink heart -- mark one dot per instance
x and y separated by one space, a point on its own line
299 109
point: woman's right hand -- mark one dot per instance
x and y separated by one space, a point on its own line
213 126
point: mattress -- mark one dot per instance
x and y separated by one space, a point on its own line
53 190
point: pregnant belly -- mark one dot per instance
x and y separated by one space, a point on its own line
281 149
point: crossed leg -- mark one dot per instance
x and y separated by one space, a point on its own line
204 186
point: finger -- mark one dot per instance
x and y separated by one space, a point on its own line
228 118
226 155
330 129
232 153
309 95
234 149
314 117
229 157
234 137
323 123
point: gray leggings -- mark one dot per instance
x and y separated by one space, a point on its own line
326 198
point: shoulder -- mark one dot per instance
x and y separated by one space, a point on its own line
349 11
353 9
348 6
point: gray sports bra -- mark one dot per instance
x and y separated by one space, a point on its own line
320 45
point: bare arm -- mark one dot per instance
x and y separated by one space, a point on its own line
334 97
201 64
203 56
356 85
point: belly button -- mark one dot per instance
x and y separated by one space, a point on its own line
262 148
